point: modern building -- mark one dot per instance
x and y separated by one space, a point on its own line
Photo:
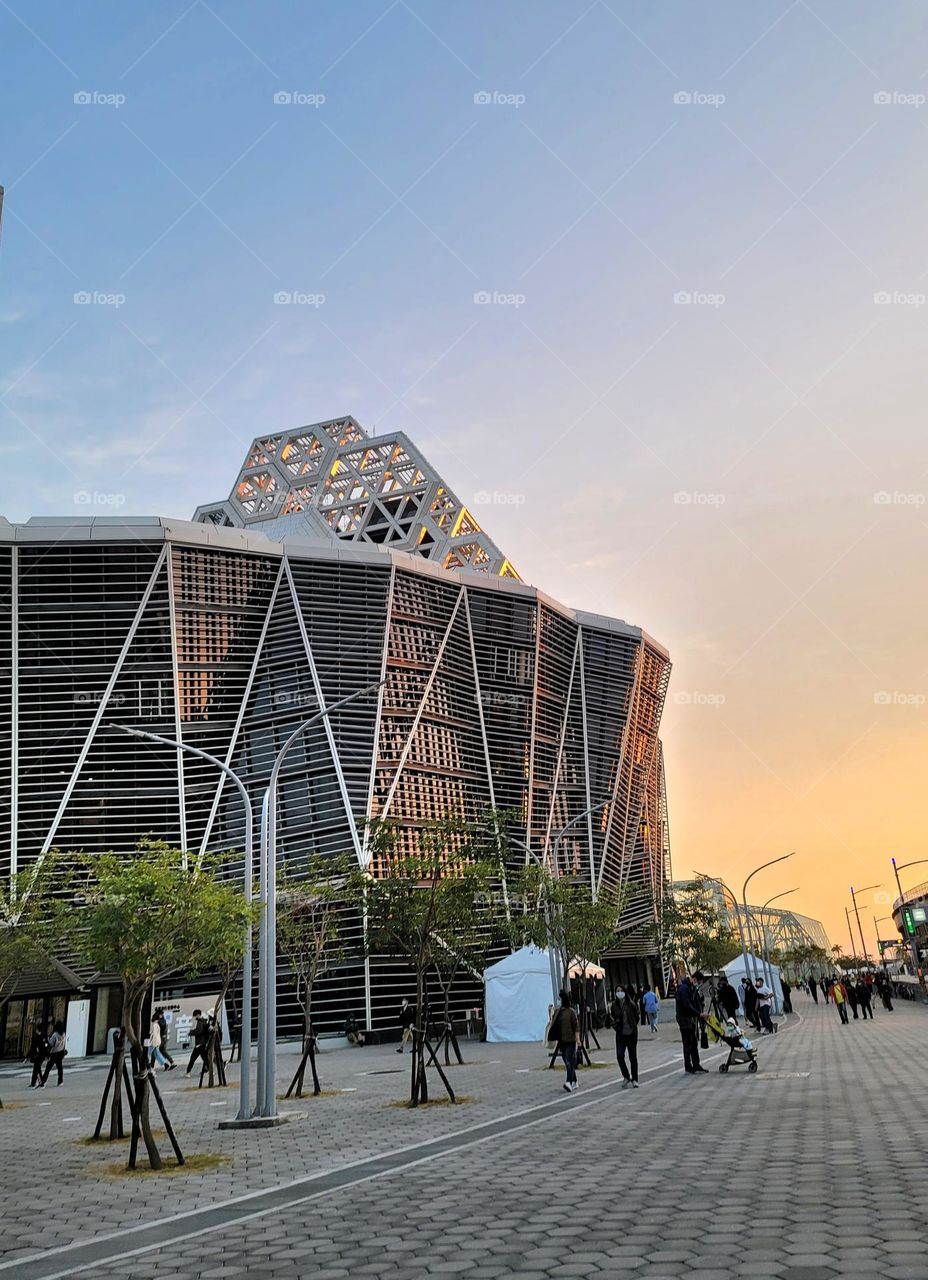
776 927
228 631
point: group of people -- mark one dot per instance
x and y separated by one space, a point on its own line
858 993
47 1051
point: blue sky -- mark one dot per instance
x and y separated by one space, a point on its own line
591 195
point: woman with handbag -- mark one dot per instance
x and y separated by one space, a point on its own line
57 1048
565 1030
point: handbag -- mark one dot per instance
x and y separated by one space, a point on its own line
703 1037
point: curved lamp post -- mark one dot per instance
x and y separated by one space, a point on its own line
244 1087
725 889
913 945
744 899
266 1100
854 893
768 965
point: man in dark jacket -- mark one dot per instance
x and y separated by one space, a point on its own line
865 1000
813 989
727 997
749 999
38 1052
689 1015
624 1014
200 1040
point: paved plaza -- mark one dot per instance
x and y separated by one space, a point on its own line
811 1169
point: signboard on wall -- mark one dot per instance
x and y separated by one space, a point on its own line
179 1016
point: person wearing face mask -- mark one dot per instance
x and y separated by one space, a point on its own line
624 1013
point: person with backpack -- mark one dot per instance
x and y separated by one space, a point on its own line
565 1032
57 1049
38 1052
624 1014
200 1040
155 1057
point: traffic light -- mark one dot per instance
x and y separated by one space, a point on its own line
909 923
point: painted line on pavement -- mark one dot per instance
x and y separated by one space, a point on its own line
107 1249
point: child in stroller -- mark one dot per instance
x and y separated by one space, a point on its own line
741 1051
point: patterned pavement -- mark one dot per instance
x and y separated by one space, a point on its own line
811 1169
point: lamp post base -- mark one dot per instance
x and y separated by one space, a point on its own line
262 1122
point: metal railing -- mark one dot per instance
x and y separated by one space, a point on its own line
910 895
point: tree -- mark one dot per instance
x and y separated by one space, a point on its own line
421 906
25 914
561 913
309 922
144 917
693 932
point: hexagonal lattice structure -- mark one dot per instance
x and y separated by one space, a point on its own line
332 480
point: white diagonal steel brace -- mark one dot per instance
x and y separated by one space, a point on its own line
101 709
326 723
418 716
240 718
375 752
560 751
480 715
178 728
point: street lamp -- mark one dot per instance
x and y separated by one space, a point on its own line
744 899
913 945
877 920
850 934
725 889
769 966
594 808
857 914
266 1100
244 1087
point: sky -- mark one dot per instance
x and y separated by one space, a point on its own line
646 283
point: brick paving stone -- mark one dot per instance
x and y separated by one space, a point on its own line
641 1203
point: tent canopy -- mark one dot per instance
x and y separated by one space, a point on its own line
518 996
734 971
575 970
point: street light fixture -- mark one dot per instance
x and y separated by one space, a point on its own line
913 945
266 1100
877 920
854 893
725 889
766 957
744 899
244 1088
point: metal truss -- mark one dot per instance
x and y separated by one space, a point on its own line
332 480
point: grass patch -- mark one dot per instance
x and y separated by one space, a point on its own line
462 1100
192 1164
310 1096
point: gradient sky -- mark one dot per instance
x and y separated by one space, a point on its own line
785 405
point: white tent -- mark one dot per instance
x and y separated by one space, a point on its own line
735 971
518 996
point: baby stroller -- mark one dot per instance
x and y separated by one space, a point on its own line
741 1051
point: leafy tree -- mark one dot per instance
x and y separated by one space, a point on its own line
693 932
144 917
309 934
421 906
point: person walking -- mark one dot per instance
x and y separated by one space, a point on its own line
728 998
624 1014
57 1048
787 993
850 990
839 995
652 1007
689 1015
155 1056
749 999
864 1000
886 993
38 1052
565 1032
406 1019
200 1040
164 1029
764 1001
813 989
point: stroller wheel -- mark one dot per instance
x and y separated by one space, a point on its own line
752 1066
724 1067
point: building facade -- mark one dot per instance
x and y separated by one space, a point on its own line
213 634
